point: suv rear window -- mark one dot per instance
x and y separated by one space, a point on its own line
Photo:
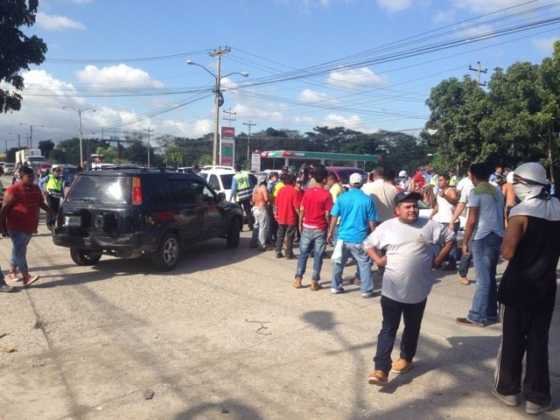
226 181
101 189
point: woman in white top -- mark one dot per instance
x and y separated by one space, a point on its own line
446 200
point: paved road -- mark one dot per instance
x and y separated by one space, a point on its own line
225 336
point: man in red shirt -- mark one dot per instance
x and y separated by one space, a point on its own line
287 206
418 181
19 219
313 223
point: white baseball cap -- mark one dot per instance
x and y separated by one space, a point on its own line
355 178
532 171
403 174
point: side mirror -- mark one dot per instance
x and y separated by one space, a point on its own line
221 197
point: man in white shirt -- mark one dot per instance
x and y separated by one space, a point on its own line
411 248
464 187
383 193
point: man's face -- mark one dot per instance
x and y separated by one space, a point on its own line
27 179
442 183
330 181
57 172
407 211
499 170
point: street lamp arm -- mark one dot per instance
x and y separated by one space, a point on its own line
240 73
192 63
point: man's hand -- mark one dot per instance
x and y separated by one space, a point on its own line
382 262
465 248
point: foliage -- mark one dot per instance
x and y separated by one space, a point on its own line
46 147
17 50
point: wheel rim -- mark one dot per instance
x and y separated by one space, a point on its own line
170 251
91 256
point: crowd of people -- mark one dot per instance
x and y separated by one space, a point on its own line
377 222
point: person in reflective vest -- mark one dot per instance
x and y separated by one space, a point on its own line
241 192
55 190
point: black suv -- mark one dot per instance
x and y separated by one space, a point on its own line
139 212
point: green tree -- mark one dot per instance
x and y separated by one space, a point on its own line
58 156
17 50
46 147
453 129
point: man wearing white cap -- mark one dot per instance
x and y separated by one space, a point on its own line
527 291
357 214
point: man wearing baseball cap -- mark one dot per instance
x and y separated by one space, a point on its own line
527 291
411 248
355 212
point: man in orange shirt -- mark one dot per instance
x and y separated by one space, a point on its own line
260 202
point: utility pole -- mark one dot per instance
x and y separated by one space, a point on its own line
149 131
80 111
249 124
31 136
19 141
218 99
478 70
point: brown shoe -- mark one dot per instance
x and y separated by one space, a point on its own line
297 282
465 281
29 279
315 286
378 377
401 366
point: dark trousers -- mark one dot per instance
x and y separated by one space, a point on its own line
273 227
392 311
525 333
54 204
246 206
464 264
288 232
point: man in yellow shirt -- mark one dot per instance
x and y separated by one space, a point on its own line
334 187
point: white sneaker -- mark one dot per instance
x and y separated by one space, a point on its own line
336 291
535 409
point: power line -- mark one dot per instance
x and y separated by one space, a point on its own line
125 60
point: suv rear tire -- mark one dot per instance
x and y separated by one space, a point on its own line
82 257
168 253
234 233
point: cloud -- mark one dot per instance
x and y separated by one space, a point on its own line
353 122
394 5
475 31
119 76
355 78
229 84
257 112
57 23
52 121
545 45
444 16
310 96
485 6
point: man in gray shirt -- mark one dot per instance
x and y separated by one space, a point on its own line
485 226
411 246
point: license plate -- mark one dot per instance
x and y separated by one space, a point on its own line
73 221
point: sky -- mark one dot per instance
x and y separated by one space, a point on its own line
125 62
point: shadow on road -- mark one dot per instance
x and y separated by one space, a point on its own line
231 409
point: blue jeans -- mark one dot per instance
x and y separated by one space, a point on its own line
20 240
364 266
316 240
486 252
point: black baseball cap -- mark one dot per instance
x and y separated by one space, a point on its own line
407 196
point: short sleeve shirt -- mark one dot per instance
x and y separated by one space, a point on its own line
491 212
23 216
287 203
355 209
410 250
316 203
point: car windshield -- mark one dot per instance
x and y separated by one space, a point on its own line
101 189
226 181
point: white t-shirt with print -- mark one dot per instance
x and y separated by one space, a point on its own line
410 250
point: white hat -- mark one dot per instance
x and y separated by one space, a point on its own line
532 171
403 174
56 166
355 178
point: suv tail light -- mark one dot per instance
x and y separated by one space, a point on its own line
136 191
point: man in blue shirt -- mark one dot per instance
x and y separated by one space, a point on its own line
357 215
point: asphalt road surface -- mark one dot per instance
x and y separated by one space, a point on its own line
225 336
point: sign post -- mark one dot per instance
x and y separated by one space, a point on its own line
256 162
227 149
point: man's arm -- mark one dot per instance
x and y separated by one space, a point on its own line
434 211
515 230
440 258
300 221
451 196
332 226
458 211
472 220
233 189
379 260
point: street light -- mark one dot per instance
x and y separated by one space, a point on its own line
218 98
80 111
